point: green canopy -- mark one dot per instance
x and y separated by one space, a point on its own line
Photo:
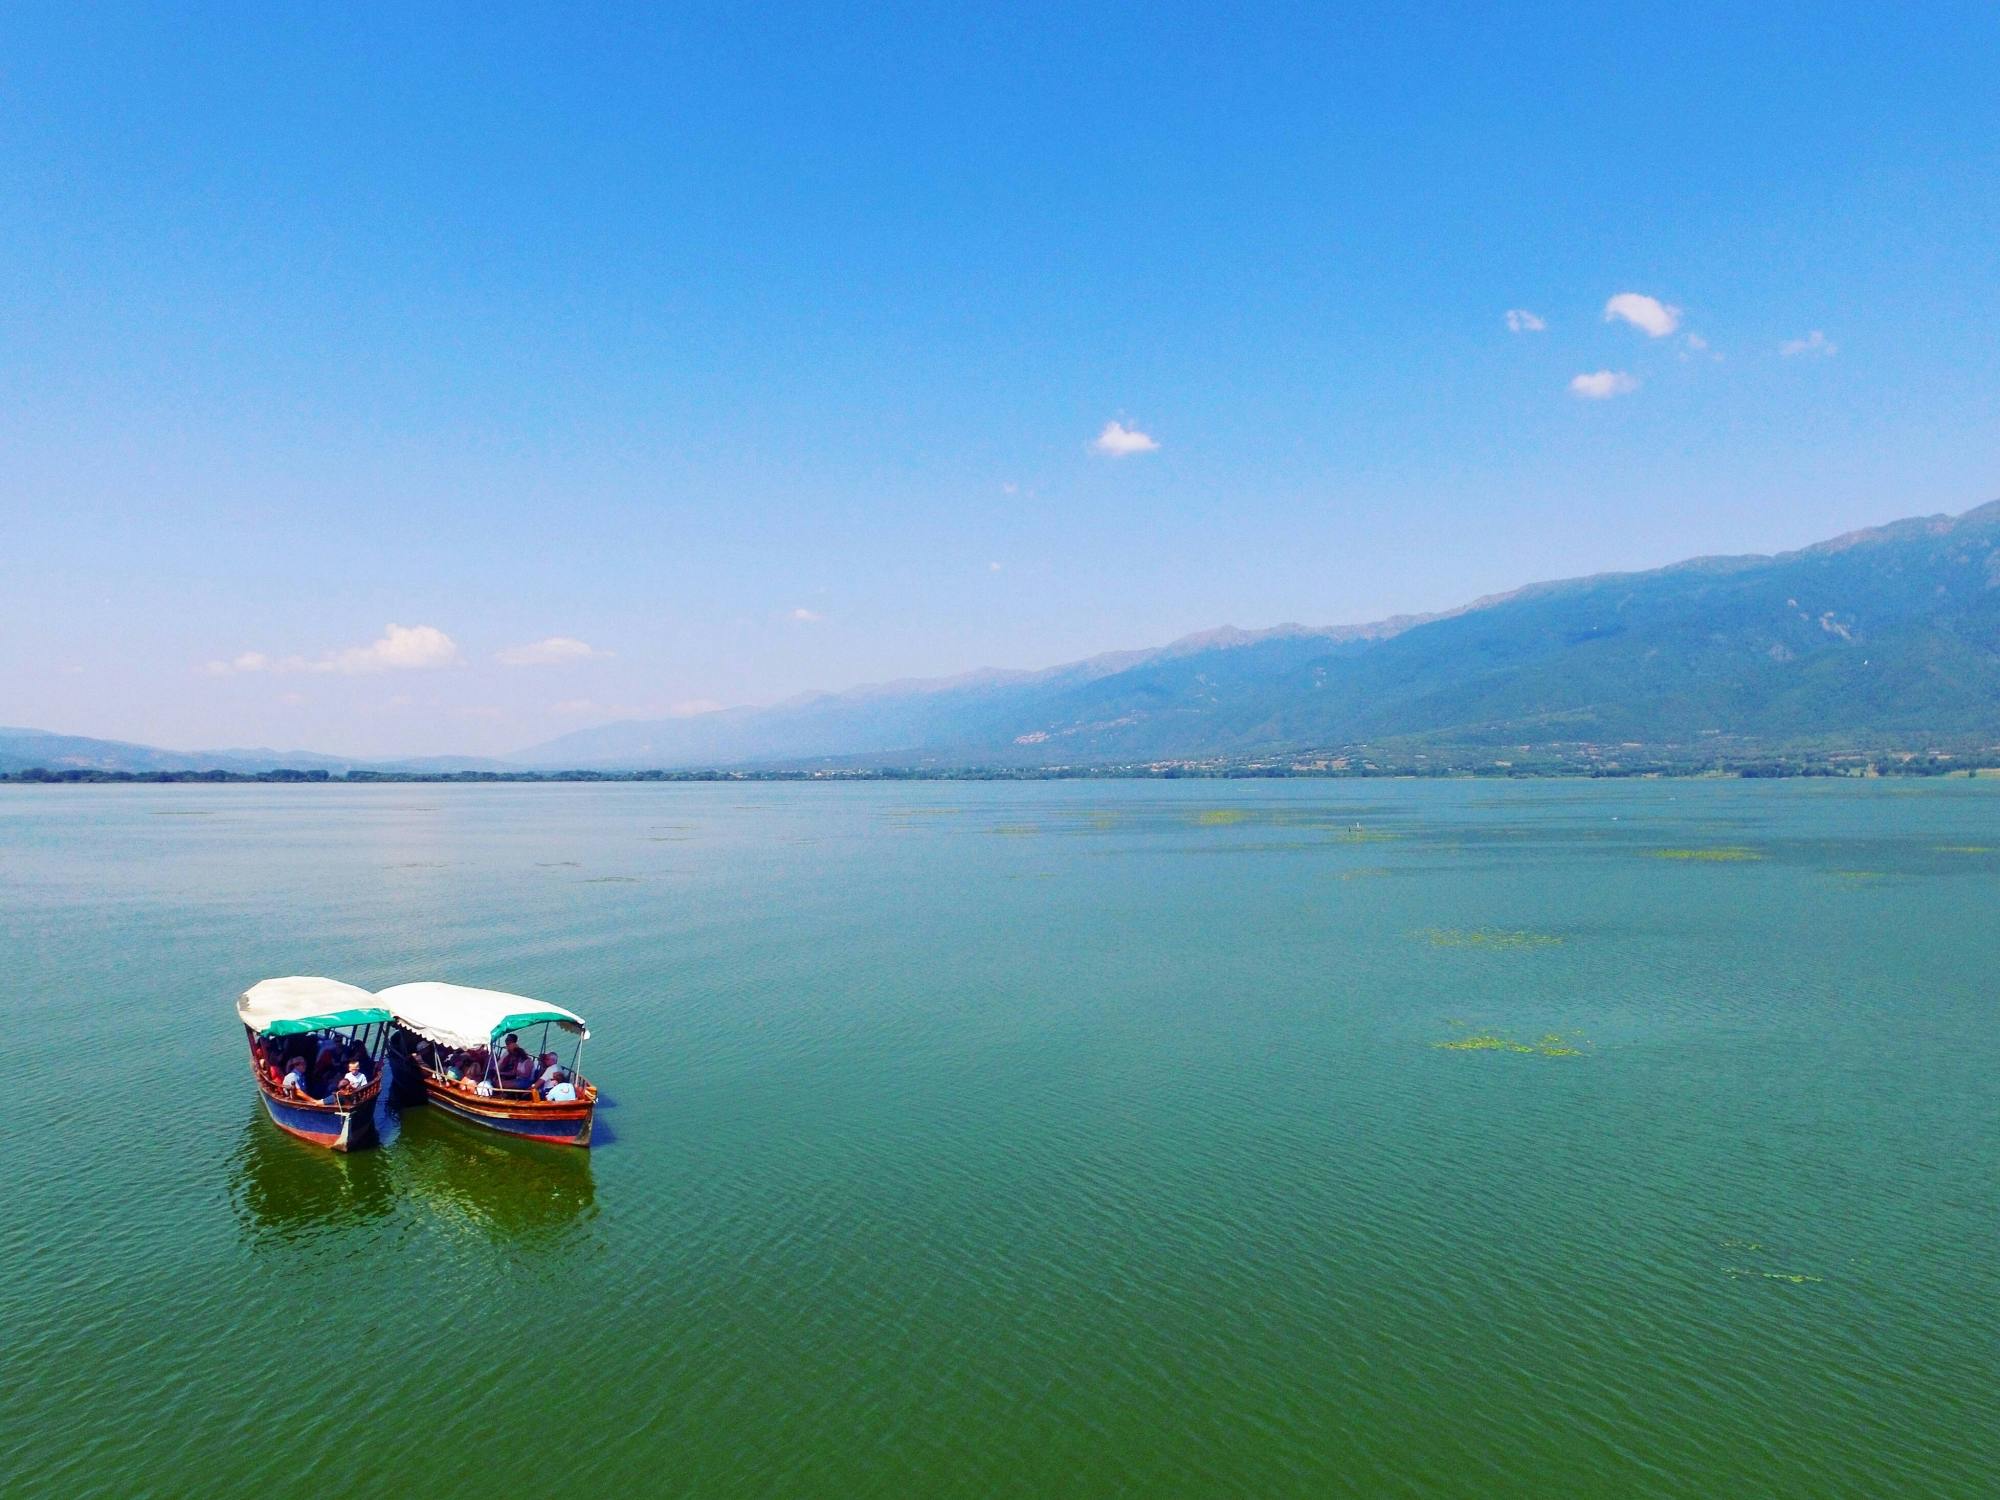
453 1015
287 1007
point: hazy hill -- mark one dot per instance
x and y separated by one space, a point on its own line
1882 636
38 749
1886 638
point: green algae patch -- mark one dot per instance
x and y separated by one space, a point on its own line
1484 1041
1794 1278
1220 817
1966 849
1359 835
1553 1044
1017 830
1486 937
1720 854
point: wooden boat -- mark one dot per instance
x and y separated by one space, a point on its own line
298 1016
438 1026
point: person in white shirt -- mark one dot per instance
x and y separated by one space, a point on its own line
295 1076
354 1078
551 1071
562 1091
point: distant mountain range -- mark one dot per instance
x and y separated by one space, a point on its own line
1883 637
1880 639
37 749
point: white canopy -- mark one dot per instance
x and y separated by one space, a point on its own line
453 1016
285 1007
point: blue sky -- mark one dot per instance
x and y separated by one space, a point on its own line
755 351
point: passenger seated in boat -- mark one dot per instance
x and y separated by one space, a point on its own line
517 1067
562 1091
295 1076
547 1071
356 1076
329 1060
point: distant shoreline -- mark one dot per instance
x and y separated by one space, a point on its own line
1920 767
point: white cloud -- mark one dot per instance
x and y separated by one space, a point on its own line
556 651
1603 385
1120 441
401 648
993 567
1815 343
1696 342
1648 314
248 661
1520 320
807 616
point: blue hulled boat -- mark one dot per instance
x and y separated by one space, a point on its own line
309 1018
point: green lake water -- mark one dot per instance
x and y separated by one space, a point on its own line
1064 1139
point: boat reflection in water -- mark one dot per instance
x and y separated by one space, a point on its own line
436 1172
499 1186
284 1189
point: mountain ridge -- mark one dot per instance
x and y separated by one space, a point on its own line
1883 634
1081 711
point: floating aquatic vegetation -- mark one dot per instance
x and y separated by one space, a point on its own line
557 864
1220 817
1720 854
1360 835
1796 1278
1742 1245
1484 1041
1554 1044
1362 872
612 880
1016 830
1859 877
1486 937
1966 849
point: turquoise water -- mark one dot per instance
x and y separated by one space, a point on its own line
976 1139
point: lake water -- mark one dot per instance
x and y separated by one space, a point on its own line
1045 1139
